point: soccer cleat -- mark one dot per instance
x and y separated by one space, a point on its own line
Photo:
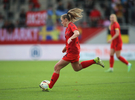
109 70
129 67
45 89
99 62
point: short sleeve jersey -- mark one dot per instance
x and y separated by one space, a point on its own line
116 26
73 47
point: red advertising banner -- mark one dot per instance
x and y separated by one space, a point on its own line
43 36
36 18
32 36
19 36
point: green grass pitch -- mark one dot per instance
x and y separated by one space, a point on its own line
19 80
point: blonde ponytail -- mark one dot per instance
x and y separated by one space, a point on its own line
73 15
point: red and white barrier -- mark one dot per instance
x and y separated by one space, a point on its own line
54 52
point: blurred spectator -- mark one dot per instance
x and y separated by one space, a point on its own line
49 23
60 11
10 15
113 4
106 10
131 4
133 17
34 5
58 1
1 20
21 1
22 15
9 26
22 24
126 12
119 12
118 9
17 24
6 4
5 26
78 3
88 6
50 10
60 6
31 6
95 16
6 1
51 13
69 5
106 22
22 18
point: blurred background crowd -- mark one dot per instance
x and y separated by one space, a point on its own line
96 12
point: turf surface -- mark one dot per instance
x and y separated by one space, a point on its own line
19 80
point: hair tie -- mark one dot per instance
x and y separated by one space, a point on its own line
68 16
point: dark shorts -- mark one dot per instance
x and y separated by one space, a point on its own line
71 57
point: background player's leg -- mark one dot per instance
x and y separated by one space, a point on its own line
112 51
61 64
118 54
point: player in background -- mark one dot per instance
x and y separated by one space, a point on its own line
116 43
72 47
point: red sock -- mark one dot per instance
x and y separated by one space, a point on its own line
123 60
54 78
111 61
87 63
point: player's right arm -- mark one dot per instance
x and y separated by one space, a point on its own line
75 35
64 49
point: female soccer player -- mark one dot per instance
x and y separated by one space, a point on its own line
116 43
72 47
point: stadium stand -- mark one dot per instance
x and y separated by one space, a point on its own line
13 14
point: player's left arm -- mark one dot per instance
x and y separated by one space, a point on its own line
115 36
75 35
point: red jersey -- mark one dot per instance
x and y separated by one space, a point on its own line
114 27
73 47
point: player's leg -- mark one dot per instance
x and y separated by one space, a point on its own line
84 64
112 52
118 54
87 63
76 66
122 59
61 64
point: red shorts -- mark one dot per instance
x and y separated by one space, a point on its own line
116 47
71 57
